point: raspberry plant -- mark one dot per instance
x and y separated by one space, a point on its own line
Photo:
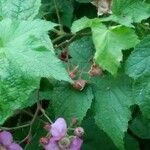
82 60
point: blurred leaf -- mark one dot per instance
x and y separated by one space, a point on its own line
18 9
126 12
140 126
141 95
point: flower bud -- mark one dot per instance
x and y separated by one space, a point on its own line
2 147
74 121
64 143
44 140
47 127
95 70
79 131
73 72
79 84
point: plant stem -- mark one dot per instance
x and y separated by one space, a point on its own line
58 16
45 115
15 128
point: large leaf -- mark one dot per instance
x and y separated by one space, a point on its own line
138 62
71 103
28 48
19 9
127 12
109 42
25 56
112 106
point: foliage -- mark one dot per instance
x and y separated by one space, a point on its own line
59 59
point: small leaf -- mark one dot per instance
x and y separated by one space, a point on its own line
81 52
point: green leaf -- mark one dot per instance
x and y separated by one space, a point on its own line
70 103
141 95
140 126
25 56
28 48
83 23
112 106
138 63
19 9
15 89
64 8
81 52
127 12
131 143
94 137
109 43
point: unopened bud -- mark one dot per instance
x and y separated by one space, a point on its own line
2 147
74 121
79 84
79 131
64 143
44 140
73 72
47 127
95 70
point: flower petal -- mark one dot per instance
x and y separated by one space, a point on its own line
76 144
14 146
52 145
6 138
59 128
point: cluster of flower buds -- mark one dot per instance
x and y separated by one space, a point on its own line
7 143
58 139
80 84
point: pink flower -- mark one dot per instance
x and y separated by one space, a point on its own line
58 129
7 143
76 144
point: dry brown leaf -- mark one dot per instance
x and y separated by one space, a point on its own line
103 6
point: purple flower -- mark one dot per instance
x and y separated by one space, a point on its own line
59 129
76 144
52 145
59 140
7 143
